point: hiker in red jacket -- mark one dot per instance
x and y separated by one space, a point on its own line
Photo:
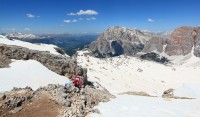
78 81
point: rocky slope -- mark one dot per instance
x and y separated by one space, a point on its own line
154 44
119 40
56 100
59 64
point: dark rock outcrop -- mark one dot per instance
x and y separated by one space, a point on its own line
59 64
152 56
119 40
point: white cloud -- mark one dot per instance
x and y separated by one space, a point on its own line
82 12
30 15
27 29
74 20
150 20
87 12
67 21
71 14
92 18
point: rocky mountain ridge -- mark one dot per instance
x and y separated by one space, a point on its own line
120 40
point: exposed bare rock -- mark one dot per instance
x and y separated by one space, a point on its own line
154 44
16 98
74 103
152 56
4 61
141 93
56 63
168 93
82 103
197 42
181 41
119 40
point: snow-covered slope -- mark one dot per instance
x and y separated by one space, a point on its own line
123 74
28 73
136 106
40 47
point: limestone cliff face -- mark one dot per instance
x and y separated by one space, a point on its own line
197 42
181 41
119 40
154 44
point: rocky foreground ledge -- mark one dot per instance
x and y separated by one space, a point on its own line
51 101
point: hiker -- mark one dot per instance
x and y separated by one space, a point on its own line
78 81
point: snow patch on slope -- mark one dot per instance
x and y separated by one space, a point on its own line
28 73
137 106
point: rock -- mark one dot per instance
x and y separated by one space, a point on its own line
73 104
168 93
16 97
181 41
152 56
119 40
2 97
17 109
154 44
61 51
4 61
197 42
139 70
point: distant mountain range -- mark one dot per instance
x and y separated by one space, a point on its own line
69 42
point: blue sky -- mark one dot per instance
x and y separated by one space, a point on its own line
95 16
